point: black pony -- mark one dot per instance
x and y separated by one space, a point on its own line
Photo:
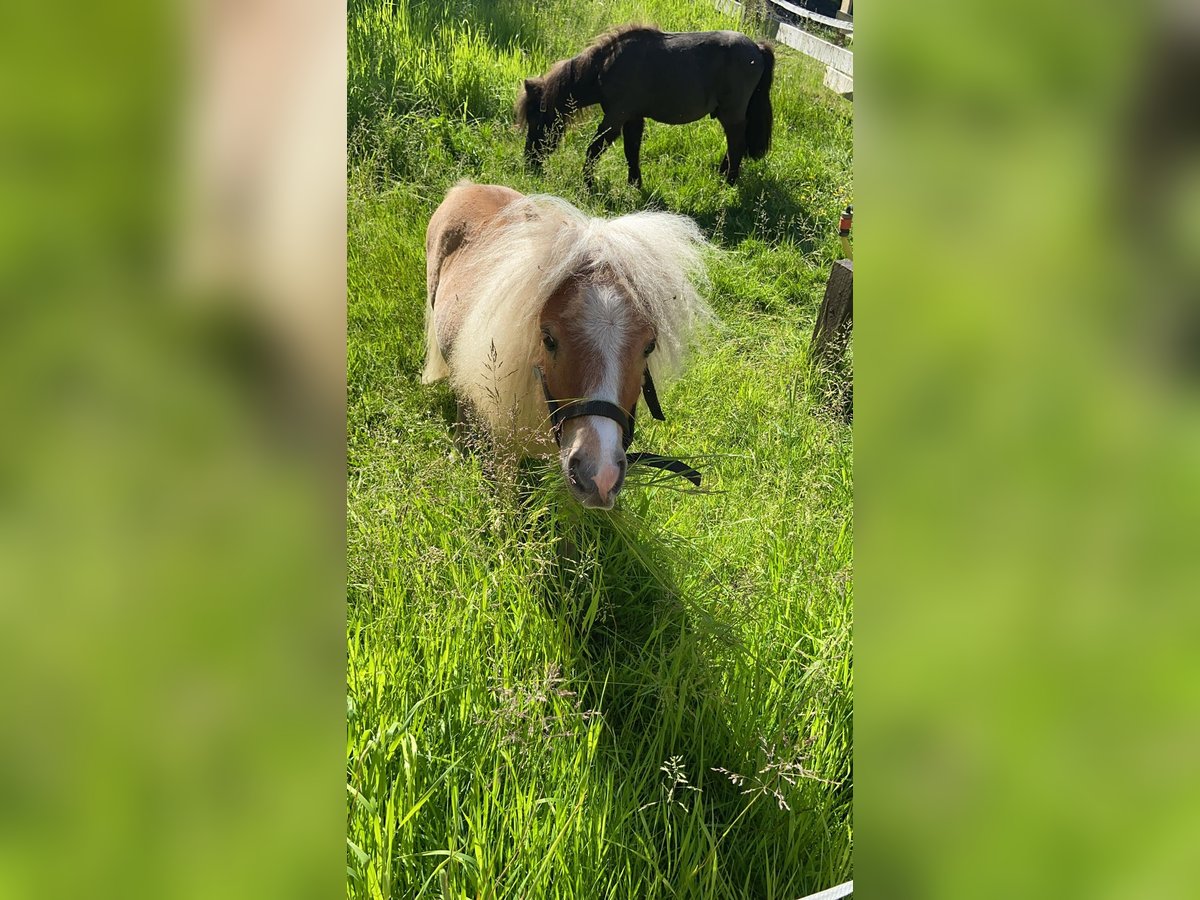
637 73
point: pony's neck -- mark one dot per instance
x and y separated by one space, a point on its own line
581 85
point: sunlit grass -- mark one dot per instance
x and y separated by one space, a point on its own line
540 697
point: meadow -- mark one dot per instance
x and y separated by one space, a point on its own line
666 709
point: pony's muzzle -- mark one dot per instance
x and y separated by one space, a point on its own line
595 486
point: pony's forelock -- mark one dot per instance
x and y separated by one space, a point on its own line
540 242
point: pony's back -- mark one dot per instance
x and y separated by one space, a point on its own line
468 210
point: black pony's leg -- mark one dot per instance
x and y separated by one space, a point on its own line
632 135
735 137
723 165
605 135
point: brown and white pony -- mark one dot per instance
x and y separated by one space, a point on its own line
550 323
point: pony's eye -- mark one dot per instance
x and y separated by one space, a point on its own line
549 342
650 347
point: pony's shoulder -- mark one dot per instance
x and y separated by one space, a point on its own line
470 192
471 202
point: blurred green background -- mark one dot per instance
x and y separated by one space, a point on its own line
171 491
1027 446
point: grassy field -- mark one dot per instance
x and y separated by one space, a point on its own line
666 710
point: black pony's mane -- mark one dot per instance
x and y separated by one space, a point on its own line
555 85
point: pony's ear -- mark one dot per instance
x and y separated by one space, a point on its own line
528 98
519 117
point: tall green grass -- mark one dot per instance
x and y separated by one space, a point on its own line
544 701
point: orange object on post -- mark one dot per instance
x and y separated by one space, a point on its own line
844 230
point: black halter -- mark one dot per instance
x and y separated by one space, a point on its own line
561 410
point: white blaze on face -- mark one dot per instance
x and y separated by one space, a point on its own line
605 325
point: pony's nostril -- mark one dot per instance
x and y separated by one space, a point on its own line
573 466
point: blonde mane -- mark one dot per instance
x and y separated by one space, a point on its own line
542 241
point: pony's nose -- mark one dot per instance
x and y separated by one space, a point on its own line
602 484
608 480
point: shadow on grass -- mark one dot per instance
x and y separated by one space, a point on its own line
650 662
768 207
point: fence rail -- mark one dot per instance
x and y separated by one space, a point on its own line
844 26
839 62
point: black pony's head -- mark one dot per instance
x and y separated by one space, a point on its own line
543 119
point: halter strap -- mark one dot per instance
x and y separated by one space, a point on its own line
561 410
667 463
651 396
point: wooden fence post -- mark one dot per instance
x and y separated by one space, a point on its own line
831 331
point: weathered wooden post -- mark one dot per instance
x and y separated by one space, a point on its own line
831 331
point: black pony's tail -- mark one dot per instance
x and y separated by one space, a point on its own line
758 112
